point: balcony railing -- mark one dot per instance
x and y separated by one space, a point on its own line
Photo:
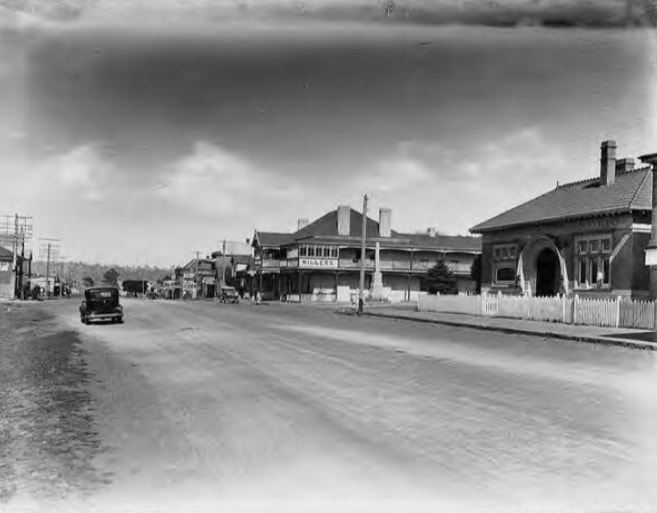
348 263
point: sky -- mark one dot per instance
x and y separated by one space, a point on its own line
141 132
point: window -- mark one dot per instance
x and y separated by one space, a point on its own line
504 252
504 265
303 251
505 274
593 261
326 251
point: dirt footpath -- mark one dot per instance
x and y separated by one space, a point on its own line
47 434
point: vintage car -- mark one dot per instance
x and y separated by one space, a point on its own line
228 295
101 304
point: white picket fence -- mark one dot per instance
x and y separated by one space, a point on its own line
610 312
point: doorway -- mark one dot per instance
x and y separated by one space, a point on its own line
547 273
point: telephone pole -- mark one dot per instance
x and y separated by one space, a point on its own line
196 276
14 230
49 249
363 239
223 265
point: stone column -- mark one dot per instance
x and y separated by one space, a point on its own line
377 282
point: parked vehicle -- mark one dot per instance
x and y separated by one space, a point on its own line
101 304
228 295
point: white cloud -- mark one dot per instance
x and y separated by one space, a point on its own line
213 181
82 172
428 185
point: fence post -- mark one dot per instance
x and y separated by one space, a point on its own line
575 306
618 307
482 302
563 309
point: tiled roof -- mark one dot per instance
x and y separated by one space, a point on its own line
631 190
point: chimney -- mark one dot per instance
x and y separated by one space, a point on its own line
431 232
302 223
385 215
344 220
607 162
624 165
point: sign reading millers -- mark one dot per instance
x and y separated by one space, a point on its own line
319 263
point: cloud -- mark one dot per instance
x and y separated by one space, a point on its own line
81 172
213 181
424 12
429 185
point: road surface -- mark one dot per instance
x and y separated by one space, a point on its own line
196 405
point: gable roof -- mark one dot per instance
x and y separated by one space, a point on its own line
324 230
632 190
241 259
271 239
6 254
327 226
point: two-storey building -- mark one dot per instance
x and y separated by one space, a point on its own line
321 261
199 278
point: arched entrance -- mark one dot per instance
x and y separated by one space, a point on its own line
542 268
547 273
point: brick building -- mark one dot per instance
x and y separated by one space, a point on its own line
586 237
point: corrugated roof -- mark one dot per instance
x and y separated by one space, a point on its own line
242 259
452 242
327 225
272 239
324 230
6 254
631 191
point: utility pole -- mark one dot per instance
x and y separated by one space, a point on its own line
363 239
14 276
223 267
196 276
48 272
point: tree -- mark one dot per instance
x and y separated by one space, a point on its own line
475 272
439 279
111 277
135 286
88 281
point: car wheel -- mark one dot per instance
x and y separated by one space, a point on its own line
120 320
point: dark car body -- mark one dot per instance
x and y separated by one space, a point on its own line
228 295
101 304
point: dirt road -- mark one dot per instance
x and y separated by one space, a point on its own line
192 406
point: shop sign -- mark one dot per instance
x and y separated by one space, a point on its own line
319 263
293 263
